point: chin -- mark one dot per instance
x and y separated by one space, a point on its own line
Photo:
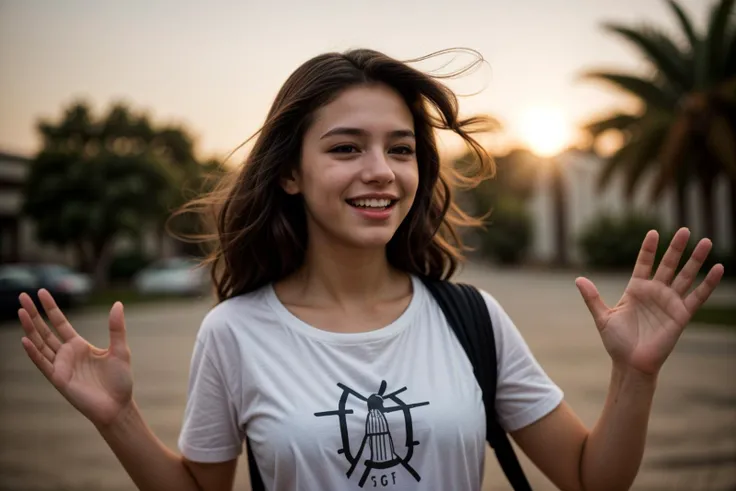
370 239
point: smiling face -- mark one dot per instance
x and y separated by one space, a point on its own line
358 173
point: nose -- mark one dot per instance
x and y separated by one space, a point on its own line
377 168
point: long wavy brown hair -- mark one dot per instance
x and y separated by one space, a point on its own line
257 234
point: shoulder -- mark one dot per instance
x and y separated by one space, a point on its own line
234 316
494 306
501 319
437 290
505 332
525 391
228 337
510 342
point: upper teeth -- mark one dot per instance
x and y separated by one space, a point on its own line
372 203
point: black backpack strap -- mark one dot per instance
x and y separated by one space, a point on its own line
256 481
468 316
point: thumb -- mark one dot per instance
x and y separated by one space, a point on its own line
118 344
592 299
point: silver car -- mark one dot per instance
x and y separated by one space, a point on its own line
180 276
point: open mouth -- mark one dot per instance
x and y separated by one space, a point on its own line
372 203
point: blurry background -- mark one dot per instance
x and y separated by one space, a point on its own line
613 118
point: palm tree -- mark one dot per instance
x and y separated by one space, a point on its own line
686 129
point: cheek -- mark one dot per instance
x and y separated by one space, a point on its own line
408 178
323 187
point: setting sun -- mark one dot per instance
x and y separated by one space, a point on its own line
545 130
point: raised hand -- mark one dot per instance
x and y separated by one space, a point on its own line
98 382
643 328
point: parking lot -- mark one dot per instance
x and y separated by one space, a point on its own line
46 445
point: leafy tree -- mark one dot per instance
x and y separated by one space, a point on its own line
508 230
686 129
99 178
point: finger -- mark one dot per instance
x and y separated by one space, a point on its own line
56 316
33 336
671 259
698 296
118 343
39 325
37 358
592 299
684 280
645 259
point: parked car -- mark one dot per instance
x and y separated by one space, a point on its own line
68 287
13 282
173 276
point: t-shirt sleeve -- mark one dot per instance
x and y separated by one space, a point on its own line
525 393
210 432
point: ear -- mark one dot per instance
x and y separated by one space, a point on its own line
290 183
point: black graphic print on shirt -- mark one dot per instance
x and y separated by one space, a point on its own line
378 450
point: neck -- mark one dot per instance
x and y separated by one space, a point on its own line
338 274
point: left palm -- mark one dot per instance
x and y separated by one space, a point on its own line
642 329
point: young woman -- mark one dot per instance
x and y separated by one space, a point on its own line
327 354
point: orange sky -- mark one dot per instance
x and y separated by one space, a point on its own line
216 65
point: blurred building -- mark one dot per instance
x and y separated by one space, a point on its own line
12 171
580 170
18 242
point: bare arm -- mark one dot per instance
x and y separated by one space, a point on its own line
98 382
639 334
154 467
606 458
614 449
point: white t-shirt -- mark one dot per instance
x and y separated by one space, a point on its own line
396 408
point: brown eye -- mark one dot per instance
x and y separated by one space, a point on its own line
345 149
403 150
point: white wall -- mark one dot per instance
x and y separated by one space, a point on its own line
585 202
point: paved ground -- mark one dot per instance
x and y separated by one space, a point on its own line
46 446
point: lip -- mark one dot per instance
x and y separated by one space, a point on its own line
375 214
390 196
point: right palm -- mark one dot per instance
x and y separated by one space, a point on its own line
98 382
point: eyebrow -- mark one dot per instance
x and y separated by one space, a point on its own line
361 132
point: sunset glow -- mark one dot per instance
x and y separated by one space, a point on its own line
545 130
